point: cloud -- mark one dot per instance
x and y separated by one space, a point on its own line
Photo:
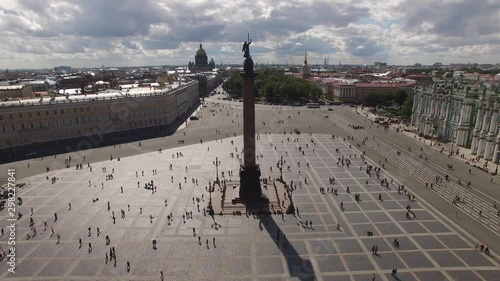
44 33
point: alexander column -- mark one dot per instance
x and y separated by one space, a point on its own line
250 191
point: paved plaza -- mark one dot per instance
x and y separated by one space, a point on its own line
421 171
243 247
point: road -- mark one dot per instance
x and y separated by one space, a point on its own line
221 119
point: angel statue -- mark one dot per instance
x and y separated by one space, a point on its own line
246 48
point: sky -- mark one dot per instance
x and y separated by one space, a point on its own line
113 33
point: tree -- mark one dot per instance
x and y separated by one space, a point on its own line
274 86
234 85
384 99
371 99
406 109
400 97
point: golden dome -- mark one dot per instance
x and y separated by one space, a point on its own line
201 52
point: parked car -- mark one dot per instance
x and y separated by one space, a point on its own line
193 118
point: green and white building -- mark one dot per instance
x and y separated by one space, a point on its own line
460 113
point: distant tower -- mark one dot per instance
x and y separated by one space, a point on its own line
306 71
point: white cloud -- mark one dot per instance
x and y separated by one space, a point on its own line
45 33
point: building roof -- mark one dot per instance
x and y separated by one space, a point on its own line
11 87
74 91
105 95
385 85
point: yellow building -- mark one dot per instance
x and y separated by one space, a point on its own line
91 117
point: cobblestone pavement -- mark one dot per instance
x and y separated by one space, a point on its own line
432 247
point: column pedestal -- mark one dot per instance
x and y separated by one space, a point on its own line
250 190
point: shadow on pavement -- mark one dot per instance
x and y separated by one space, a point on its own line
299 268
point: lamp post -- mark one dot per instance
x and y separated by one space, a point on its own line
280 167
216 164
432 134
452 140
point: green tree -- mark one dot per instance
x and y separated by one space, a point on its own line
274 86
400 97
234 85
371 99
384 99
406 109
387 98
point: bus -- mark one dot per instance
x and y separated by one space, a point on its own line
313 105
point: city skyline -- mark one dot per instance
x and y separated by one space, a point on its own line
44 34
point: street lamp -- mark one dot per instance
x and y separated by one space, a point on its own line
280 167
432 134
452 140
216 164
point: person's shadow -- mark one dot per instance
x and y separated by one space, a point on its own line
299 268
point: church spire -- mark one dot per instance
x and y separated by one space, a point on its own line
305 57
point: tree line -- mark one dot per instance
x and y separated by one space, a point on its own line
275 87
388 99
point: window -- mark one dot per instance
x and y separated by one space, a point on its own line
62 111
40 124
55 112
22 126
4 129
11 117
31 115
74 110
38 113
46 113
13 127
32 125
20 115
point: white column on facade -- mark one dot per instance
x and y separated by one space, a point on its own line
482 135
433 106
442 109
442 112
447 105
496 151
463 126
427 127
475 133
414 110
421 106
438 106
421 114
490 138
